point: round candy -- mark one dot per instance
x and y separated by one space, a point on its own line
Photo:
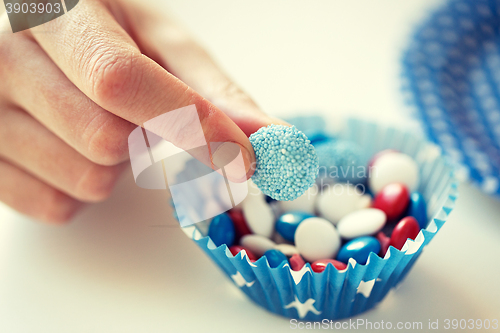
257 244
359 249
259 216
384 243
418 209
221 230
320 265
316 238
296 262
393 200
379 154
339 200
275 257
305 203
288 223
287 164
393 167
406 228
340 161
362 222
235 249
240 225
287 249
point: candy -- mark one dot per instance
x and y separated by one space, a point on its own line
240 225
316 238
296 262
259 217
257 244
221 230
406 228
340 161
274 257
339 200
418 209
235 249
379 154
312 126
287 164
393 200
320 265
362 222
287 249
384 243
288 223
359 249
305 203
393 167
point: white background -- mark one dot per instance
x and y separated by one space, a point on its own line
125 266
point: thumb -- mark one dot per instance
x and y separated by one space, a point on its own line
107 65
163 39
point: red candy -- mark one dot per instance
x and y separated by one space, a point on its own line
320 265
296 262
384 243
235 249
239 222
406 228
393 200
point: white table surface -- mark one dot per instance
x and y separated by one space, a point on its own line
125 266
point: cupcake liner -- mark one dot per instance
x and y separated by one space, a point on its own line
451 76
333 294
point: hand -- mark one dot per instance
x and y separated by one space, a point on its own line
74 88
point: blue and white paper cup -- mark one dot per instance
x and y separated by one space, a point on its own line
333 294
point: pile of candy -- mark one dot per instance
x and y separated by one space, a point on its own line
332 224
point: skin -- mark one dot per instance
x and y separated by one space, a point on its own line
74 88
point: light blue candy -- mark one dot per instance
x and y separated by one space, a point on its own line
275 257
287 164
418 209
340 160
288 223
313 126
221 230
358 249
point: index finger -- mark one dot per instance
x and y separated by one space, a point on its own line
104 62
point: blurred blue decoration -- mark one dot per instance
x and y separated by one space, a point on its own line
452 79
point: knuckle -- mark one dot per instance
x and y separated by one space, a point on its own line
106 139
111 74
229 90
96 183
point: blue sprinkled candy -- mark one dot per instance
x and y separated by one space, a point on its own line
340 159
287 164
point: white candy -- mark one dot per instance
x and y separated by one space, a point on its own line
393 167
363 222
305 203
316 238
364 202
338 200
287 249
257 244
259 216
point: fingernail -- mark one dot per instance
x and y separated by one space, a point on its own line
233 160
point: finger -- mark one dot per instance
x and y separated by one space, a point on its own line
176 50
37 85
30 196
97 55
30 146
